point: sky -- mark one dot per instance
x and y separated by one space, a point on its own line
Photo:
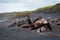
24 5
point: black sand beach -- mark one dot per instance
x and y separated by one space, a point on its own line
15 33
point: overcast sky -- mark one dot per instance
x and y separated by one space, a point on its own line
24 5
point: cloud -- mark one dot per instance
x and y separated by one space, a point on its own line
7 1
14 7
28 1
21 5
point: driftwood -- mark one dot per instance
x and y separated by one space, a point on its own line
12 25
42 25
26 26
38 23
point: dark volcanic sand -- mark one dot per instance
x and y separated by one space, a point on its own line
23 34
15 33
